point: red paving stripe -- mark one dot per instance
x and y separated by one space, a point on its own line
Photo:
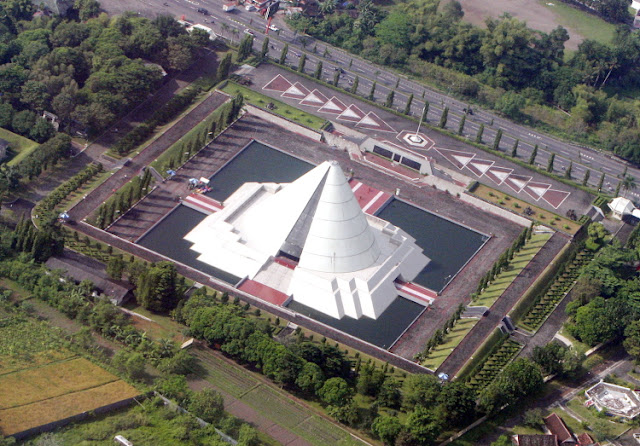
352 113
369 198
207 204
555 197
315 99
416 291
263 292
498 174
536 190
480 167
296 91
278 83
517 182
376 203
333 105
374 122
285 262
458 159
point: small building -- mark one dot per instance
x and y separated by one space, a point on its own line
78 267
620 207
556 427
4 148
585 439
52 118
228 7
615 400
535 440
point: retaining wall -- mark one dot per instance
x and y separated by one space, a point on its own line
283 122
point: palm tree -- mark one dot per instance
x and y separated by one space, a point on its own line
327 7
628 182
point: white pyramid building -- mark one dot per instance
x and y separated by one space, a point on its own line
347 261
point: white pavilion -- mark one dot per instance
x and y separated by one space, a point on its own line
339 260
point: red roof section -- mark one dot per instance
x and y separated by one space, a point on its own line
585 439
557 427
263 292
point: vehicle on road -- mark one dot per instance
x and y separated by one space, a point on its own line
274 28
250 8
203 11
248 31
228 7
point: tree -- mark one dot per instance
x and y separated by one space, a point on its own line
132 364
549 357
425 111
336 77
389 394
443 118
394 30
567 173
534 153
42 130
386 428
265 48
283 54
244 50
601 182
248 436
510 104
519 379
479 134
336 392
632 339
208 405
389 102
423 425
87 9
223 68
496 141
372 92
354 87
407 108
628 182
421 390
585 180
514 150
461 125
310 379
552 157
158 288
318 72
115 267
302 62
601 320
503 440
23 122
457 403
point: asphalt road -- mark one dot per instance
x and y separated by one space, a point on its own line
232 26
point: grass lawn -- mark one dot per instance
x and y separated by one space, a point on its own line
602 424
588 25
281 109
438 355
20 145
520 260
74 197
518 206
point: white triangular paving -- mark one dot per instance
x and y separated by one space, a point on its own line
518 183
538 190
331 106
294 90
313 98
367 120
482 167
500 175
463 159
349 113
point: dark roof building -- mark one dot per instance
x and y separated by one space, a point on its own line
535 440
79 267
557 427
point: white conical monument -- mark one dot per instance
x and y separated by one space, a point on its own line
346 260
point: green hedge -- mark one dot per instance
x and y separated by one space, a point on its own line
72 184
493 341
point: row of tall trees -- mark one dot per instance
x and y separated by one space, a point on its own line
506 65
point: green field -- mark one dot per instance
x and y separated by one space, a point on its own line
520 260
280 108
272 404
588 25
42 382
438 354
20 145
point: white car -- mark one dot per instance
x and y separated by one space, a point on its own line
274 28
248 31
